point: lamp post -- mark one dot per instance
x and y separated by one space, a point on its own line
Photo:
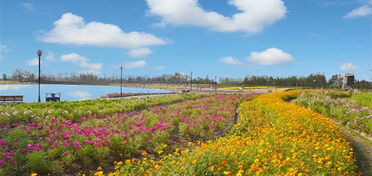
191 82
215 86
121 81
39 53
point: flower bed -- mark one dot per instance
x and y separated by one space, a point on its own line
272 137
74 110
117 95
59 146
337 105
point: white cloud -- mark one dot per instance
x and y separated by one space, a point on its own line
139 52
359 12
157 68
347 67
81 95
72 29
136 64
3 49
253 17
12 86
83 62
28 5
34 62
230 60
271 56
50 57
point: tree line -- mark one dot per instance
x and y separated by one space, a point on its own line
311 81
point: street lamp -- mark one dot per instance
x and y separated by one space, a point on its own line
121 81
39 53
191 82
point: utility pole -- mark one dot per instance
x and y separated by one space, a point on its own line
39 53
121 81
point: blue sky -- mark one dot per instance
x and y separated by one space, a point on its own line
227 38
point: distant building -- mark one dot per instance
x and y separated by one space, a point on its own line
338 81
347 81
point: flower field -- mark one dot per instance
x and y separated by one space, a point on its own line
251 87
75 110
59 145
117 95
350 109
272 137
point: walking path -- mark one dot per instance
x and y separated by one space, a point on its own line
363 149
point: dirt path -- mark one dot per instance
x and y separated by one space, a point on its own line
363 150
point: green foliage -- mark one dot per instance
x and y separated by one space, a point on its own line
339 94
363 99
37 162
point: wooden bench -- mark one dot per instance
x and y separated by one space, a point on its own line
11 99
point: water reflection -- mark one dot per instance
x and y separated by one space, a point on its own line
81 95
12 86
68 92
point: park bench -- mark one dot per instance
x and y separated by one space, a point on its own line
11 99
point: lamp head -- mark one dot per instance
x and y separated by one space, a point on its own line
39 52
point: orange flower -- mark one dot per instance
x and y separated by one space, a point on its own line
157 167
224 163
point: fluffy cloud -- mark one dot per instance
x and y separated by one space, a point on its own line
140 52
3 49
157 68
347 67
253 17
271 56
34 62
362 11
230 60
29 6
136 64
359 12
72 29
50 57
83 62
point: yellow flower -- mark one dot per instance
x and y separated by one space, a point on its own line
227 172
120 163
34 174
160 152
189 143
157 167
100 173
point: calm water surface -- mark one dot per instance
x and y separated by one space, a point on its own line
68 92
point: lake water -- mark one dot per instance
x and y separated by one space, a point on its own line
68 92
